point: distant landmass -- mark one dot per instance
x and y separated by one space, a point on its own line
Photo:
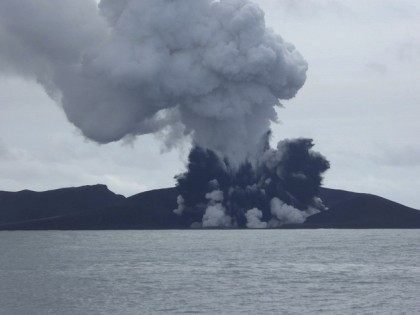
97 208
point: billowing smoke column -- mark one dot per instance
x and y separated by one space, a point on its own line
199 67
208 69
280 188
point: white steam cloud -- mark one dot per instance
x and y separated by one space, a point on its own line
199 67
181 207
253 218
215 215
285 214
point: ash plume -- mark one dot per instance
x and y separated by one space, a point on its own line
210 70
135 67
280 188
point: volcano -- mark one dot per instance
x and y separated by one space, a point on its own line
97 208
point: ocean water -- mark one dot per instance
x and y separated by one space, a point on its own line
213 272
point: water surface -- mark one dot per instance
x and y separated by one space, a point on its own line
230 272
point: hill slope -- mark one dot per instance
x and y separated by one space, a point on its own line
30 205
358 210
96 207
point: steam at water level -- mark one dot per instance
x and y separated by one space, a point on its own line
280 188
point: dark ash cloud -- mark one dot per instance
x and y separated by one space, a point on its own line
281 188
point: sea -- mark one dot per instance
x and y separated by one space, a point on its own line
210 272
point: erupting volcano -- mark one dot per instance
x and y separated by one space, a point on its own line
208 70
279 188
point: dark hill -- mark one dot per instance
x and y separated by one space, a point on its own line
96 207
31 205
357 210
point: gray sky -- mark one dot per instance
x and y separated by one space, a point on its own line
361 104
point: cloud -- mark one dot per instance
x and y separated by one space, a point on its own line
313 8
377 68
401 156
408 51
117 71
4 151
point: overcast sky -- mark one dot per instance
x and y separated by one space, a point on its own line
361 105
